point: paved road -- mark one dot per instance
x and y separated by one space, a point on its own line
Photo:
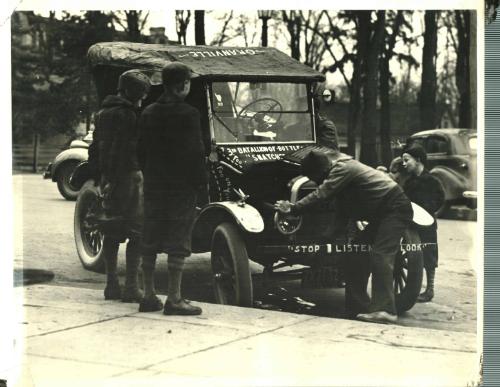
44 240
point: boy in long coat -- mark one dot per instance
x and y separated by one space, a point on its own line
113 155
172 155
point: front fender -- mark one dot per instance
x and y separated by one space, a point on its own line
453 183
245 216
81 174
72 154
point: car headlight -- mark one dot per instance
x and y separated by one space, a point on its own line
287 224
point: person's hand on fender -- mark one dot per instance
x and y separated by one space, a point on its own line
284 206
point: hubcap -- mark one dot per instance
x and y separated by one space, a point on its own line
92 237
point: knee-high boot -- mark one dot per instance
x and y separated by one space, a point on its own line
132 293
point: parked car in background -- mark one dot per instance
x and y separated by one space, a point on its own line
61 169
452 159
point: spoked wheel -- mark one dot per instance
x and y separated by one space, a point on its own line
88 238
230 267
408 270
63 180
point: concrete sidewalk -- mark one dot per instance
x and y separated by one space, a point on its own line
75 338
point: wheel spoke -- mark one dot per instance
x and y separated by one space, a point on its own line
224 276
404 276
99 242
400 283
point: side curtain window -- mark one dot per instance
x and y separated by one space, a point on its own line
436 145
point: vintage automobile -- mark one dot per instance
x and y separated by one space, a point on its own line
452 159
258 121
61 169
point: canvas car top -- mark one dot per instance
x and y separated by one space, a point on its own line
218 63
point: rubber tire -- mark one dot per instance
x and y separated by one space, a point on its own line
90 261
227 240
63 176
407 298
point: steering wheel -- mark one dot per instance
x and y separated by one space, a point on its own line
269 105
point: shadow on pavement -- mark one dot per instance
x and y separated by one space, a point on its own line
25 277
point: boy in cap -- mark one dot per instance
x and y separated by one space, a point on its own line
363 193
173 162
112 155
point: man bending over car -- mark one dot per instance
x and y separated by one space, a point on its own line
364 194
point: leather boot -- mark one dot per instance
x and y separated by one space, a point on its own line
428 294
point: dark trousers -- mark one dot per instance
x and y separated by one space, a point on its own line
385 237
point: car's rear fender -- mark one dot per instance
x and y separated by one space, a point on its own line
453 183
75 155
245 216
81 174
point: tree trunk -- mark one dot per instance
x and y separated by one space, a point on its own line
363 33
294 27
385 111
427 97
181 24
134 33
473 69
370 86
199 27
463 68
354 107
385 105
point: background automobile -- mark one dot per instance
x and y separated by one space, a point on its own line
452 159
61 169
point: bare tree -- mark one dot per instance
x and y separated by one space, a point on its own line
199 27
473 68
396 22
463 74
182 19
132 22
293 24
315 40
427 97
447 91
242 30
224 35
372 32
345 27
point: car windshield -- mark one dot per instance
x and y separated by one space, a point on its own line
261 112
